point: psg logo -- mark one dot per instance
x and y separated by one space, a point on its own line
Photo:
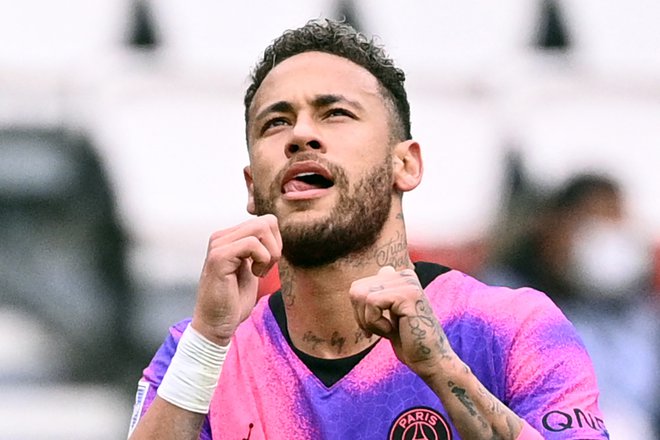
420 423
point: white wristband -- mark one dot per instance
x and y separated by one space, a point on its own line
192 376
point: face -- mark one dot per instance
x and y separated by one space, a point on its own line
321 157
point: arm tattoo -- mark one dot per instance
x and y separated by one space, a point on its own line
426 318
463 397
495 406
419 324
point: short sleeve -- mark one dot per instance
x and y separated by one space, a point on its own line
550 378
153 375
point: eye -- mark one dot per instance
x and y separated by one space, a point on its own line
338 111
274 122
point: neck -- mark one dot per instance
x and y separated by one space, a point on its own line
319 312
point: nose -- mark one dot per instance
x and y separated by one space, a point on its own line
304 136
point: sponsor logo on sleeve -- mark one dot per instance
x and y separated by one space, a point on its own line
420 423
558 421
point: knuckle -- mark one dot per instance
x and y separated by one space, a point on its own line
355 296
216 255
214 238
276 253
267 221
408 273
252 240
271 220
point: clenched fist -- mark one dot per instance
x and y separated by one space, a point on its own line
393 305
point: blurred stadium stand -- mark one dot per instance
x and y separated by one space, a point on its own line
129 114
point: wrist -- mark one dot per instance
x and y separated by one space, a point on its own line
193 373
440 368
221 338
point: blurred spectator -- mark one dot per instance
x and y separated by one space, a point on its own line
582 250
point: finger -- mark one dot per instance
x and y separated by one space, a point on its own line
386 271
245 225
357 295
399 300
382 327
227 258
275 229
264 229
247 295
378 320
370 282
358 313
272 239
372 313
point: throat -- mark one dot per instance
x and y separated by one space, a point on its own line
328 371
331 371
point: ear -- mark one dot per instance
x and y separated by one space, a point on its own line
408 166
249 183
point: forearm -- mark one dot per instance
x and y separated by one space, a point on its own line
476 413
164 421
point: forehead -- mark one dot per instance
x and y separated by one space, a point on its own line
311 74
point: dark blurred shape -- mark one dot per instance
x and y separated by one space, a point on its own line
142 33
515 174
552 32
579 246
63 251
522 200
348 13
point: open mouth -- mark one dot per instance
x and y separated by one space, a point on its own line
306 176
311 181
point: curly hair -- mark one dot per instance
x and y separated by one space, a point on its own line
339 39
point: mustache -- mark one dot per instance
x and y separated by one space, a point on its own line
338 173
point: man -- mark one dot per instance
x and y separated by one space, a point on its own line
359 342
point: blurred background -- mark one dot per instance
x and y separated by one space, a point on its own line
122 147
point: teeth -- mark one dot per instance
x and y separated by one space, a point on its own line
304 174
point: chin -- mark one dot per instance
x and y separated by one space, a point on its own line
304 210
304 218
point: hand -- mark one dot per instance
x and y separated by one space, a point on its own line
392 304
227 292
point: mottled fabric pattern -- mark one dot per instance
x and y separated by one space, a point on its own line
519 345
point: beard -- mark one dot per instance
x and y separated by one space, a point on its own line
351 227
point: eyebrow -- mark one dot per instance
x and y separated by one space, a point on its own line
277 107
326 100
318 102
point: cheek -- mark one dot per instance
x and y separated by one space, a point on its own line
263 177
365 160
259 160
260 182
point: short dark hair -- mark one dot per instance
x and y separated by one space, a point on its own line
339 39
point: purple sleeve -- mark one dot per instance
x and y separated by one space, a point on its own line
551 380
153 375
